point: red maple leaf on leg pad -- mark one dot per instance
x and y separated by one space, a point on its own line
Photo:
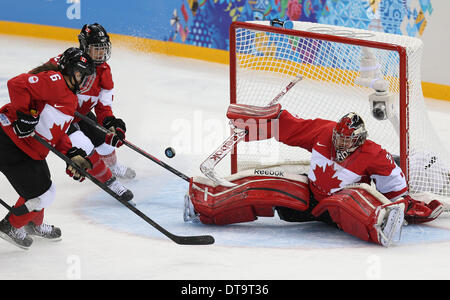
326 178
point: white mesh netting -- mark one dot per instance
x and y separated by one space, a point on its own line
266 62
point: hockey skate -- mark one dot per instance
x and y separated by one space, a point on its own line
189 214
124 194
45 231
16 236
391 220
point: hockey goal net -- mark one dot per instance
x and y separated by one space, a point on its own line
339 67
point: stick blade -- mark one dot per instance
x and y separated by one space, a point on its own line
207 168
193 240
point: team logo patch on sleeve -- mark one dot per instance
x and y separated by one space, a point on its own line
33 79
4 120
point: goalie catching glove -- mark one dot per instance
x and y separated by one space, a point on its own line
260 122
79 157
420 212
117 130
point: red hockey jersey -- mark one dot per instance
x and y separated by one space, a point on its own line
326 176
100 96
48 94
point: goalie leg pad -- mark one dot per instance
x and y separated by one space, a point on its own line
361 213
253 196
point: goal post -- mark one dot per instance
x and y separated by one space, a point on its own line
342 69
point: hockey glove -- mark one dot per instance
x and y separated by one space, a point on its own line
260 122
78 156
117 130
421 212
24 125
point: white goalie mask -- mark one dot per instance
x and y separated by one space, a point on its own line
349 133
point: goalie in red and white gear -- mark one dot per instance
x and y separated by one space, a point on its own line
335 190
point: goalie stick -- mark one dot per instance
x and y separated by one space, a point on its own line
134 147
208 165
182 240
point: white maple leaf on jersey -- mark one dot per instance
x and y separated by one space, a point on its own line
339 178
49 117
105 97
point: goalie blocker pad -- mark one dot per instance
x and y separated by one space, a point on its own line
255 195
257 120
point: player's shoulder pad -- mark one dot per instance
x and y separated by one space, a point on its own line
103 66
54 60
105 75
53 79
324 125
370 146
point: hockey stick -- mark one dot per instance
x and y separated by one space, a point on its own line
134 147
5 205
15 211
208 165
182 240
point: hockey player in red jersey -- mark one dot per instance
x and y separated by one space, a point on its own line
335 190
42 102
98 95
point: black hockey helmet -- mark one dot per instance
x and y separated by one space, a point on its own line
94 40
75 60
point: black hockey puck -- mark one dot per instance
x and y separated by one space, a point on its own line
170 152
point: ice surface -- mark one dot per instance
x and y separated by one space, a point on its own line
181 103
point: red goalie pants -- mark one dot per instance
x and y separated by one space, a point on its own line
252 196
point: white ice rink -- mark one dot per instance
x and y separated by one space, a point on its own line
168 101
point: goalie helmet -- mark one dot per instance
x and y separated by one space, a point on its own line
74 61
94 40
348 134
